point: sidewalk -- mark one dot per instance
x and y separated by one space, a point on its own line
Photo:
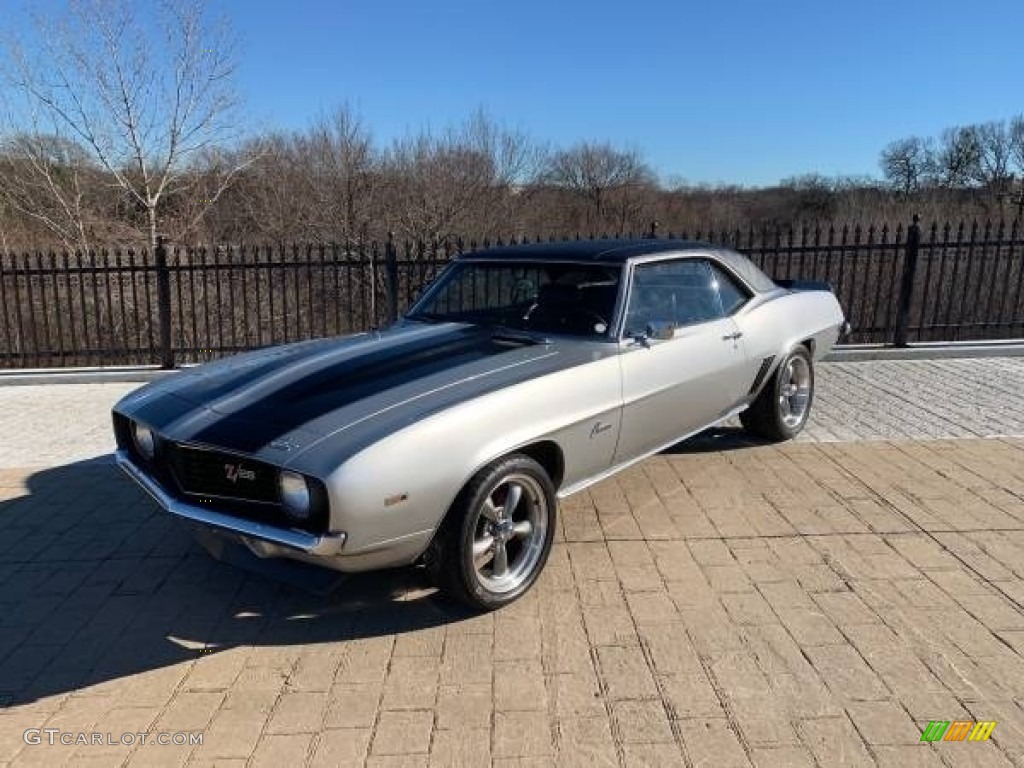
41 426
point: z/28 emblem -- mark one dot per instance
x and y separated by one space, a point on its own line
236 472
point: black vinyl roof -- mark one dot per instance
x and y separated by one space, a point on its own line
604 251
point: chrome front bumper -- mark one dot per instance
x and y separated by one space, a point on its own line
263 540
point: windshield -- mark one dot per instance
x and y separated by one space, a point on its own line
574 299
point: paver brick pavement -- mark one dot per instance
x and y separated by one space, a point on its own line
723 603
822 643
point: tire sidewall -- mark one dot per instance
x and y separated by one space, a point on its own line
482 486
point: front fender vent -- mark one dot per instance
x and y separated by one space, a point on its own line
766 365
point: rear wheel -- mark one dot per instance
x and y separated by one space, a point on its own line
784 404
496 538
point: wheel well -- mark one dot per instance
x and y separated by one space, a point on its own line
548 455
809 343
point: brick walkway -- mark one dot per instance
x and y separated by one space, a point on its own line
721 604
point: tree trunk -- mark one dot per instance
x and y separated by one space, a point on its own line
151 216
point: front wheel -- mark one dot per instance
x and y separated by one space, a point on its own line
496 539
784 404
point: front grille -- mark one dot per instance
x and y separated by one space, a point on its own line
215 474
204 477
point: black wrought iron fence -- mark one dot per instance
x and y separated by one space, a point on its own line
897 285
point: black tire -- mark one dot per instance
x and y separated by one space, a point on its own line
449 559
766 417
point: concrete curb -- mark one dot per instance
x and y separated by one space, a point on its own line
929 351
843 354
117 375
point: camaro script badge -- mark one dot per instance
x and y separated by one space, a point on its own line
236 472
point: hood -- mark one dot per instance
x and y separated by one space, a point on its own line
276 403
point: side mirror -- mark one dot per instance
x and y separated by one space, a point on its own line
660 330
656 330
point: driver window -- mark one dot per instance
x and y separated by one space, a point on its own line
681 292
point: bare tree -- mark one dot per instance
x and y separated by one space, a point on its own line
465 179
145 105
46 178
269 200
433 183
341 159
812 196
516 159
594 172
1017 142
195 209
516 162
957 157
9 221
907 163
994 143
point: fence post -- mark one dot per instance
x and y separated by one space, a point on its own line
163 302
391 276
907 282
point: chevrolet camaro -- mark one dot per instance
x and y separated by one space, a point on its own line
522 375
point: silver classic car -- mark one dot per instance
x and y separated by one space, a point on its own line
523 375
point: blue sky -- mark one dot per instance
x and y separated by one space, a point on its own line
732 91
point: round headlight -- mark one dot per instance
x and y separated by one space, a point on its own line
144 440
294 494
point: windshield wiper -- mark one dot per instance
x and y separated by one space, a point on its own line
428 317
501 333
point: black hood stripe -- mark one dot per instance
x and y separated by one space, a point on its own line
158 412
337 385
206 389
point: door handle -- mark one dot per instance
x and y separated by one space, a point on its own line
732 336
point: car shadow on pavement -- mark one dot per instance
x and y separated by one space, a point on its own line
97 584
716 439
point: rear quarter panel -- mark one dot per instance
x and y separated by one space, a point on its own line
778 322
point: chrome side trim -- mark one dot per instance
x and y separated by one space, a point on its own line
326 544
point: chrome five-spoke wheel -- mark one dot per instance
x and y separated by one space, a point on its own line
795 391
495 540
783 405
510 532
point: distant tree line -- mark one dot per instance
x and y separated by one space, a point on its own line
987 158
118 130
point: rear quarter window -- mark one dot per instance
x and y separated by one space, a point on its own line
732 294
